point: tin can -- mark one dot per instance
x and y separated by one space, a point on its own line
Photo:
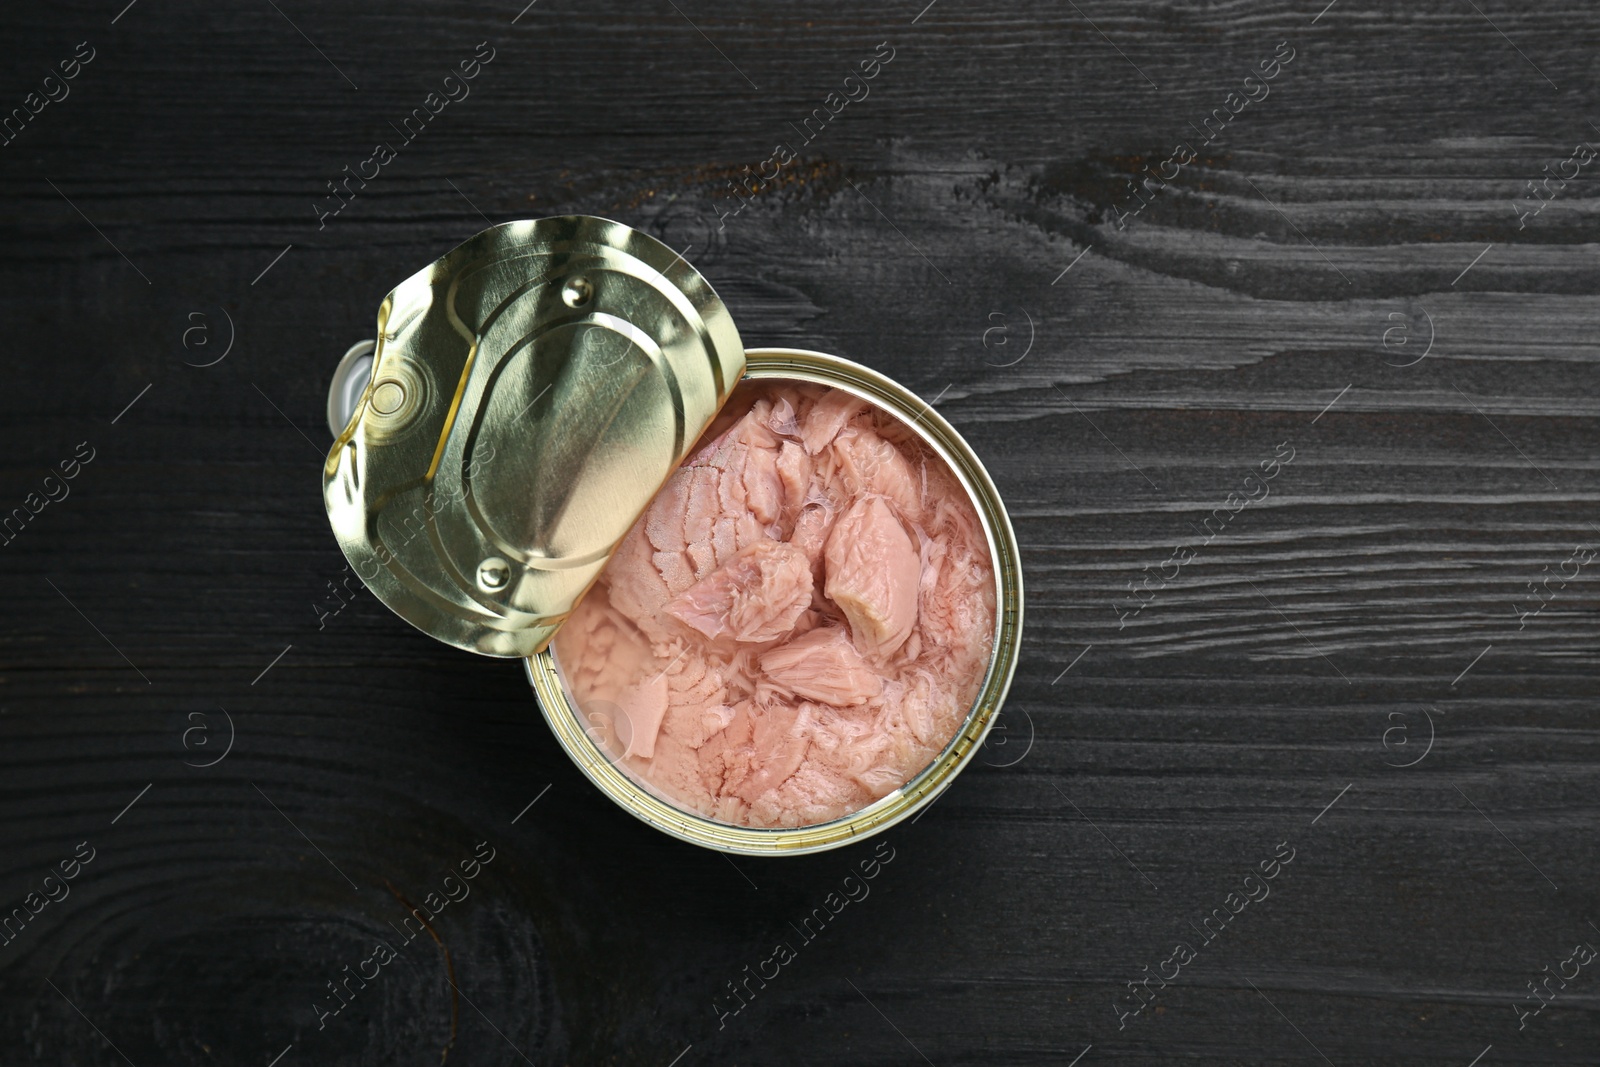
606 302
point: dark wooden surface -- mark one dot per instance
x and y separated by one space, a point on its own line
925 232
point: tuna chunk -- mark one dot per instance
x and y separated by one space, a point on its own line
642 704
636 586
811 534
781 420
755 596
681 524
827 417
873 573
873 465
781 737
823 665
763 491
794 471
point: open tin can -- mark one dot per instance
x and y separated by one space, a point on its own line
528 396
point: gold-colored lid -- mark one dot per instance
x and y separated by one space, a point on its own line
530 393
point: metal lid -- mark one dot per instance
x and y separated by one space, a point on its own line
530 393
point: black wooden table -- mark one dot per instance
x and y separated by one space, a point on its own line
1273 322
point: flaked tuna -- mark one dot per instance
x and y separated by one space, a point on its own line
798 623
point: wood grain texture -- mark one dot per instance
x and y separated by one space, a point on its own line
957 229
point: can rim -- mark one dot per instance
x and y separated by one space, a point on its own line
927 784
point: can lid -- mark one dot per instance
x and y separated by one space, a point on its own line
529 394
